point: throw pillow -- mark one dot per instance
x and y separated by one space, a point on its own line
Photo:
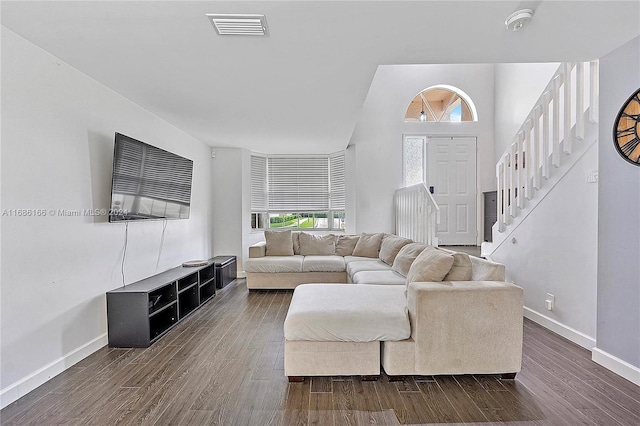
317 244
390 247
368 245
406 256
430 265
461 269
279 243
345 244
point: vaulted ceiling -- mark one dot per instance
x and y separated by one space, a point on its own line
301 88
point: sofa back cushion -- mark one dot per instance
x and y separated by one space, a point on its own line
461 269
406 256
485 270
317 244
368 245
296 242
345 244
430 265
390 247
279 243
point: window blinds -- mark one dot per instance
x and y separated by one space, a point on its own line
258 184
337 182
298 184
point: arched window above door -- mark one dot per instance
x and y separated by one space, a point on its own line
441 103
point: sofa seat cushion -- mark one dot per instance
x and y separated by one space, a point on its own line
349 259
273 264
366 265
347 313
379 277
323 264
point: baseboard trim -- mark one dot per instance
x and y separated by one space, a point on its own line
608 361
620 367
242 274
563 330
23 386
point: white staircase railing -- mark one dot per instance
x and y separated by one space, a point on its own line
546 138
417 214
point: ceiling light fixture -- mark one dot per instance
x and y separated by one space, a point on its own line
238 24
423 116
518 19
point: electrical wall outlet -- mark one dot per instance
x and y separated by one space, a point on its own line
549 301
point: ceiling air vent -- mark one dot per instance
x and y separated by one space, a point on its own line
237 24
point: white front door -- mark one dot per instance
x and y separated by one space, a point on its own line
451 171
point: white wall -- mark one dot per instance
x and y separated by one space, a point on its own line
351 190
618 343
58 128
555 251
231 187
227 192
249 236
378 134
517 88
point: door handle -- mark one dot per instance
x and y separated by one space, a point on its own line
432 189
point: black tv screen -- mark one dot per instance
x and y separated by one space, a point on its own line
148 182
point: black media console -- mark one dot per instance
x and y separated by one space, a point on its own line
140 313
226 270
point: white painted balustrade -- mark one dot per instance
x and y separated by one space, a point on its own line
417 214
555 123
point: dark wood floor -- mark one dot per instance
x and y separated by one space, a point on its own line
472 250
224 365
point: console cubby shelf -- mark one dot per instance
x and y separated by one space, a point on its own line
140 313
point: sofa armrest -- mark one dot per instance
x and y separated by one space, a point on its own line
466 327
258 249
486 270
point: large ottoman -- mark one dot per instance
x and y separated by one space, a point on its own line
336 329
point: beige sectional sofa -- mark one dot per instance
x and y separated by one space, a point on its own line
416 310
359 259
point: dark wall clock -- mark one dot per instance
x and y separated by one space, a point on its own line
626 130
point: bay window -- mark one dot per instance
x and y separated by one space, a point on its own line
306 192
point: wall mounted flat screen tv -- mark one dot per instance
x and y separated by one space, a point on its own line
148 182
